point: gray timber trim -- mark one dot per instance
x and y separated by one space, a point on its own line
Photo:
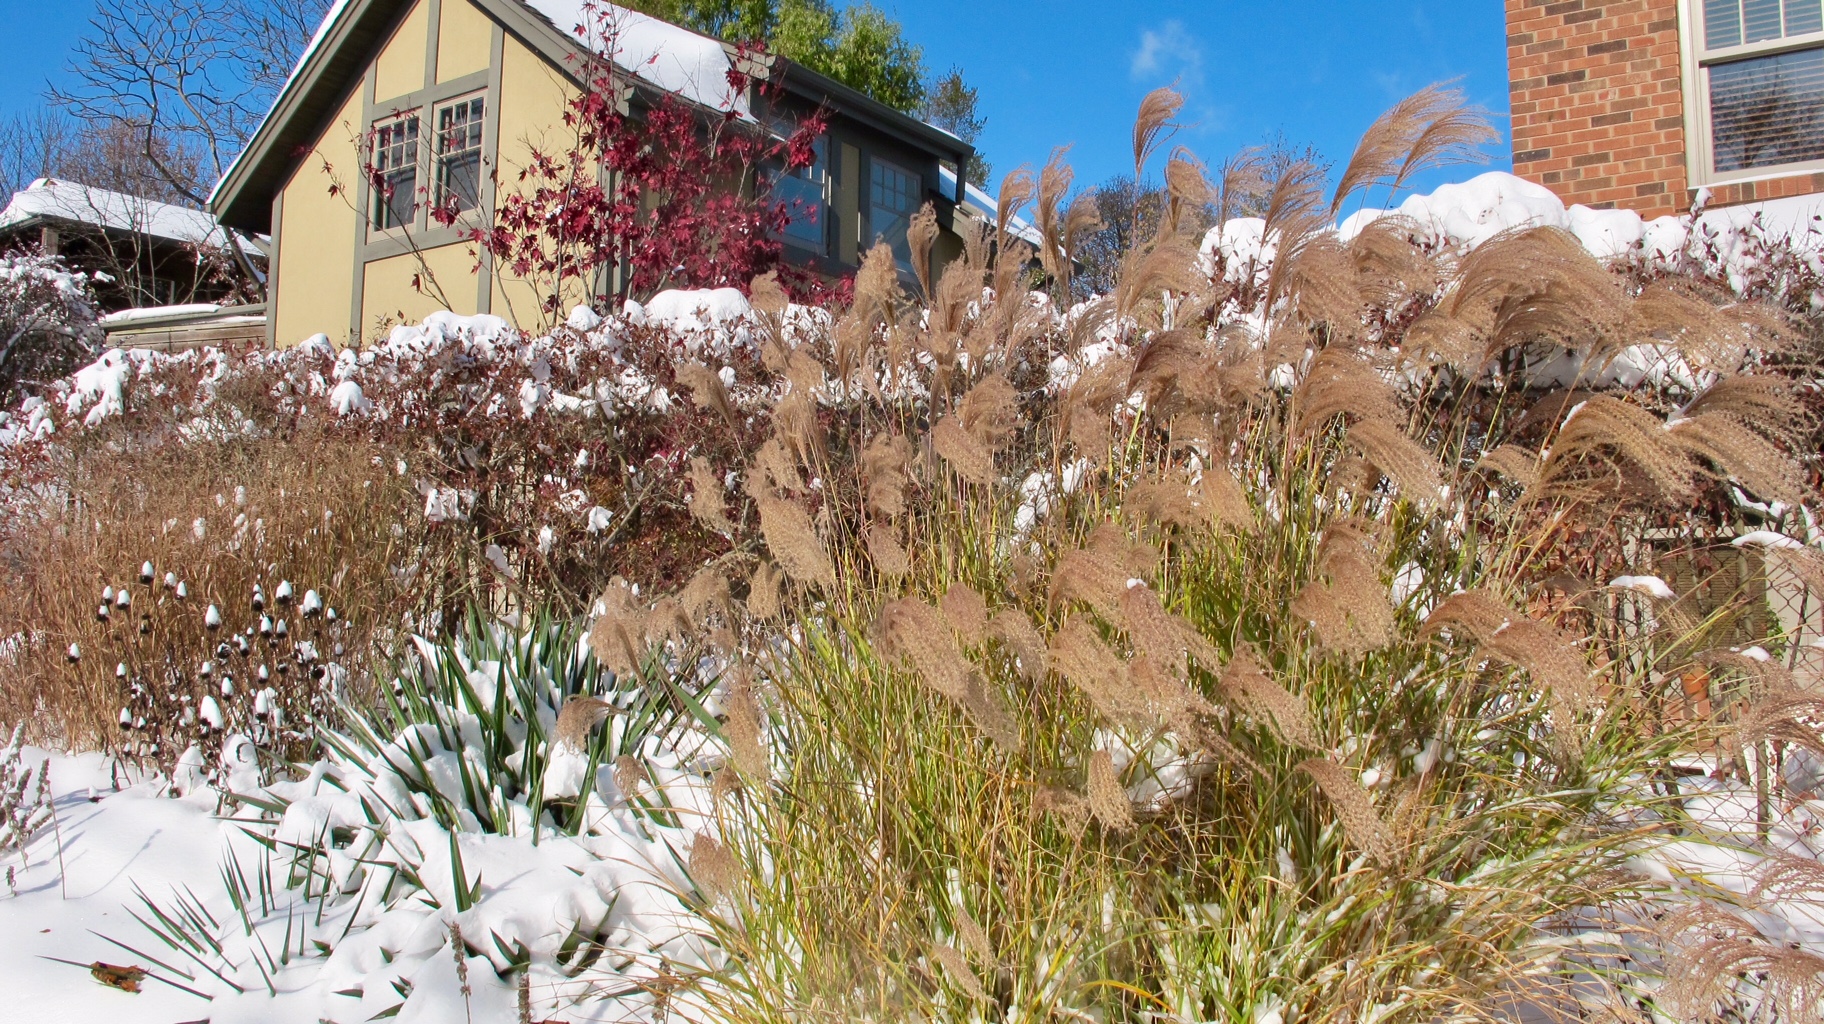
430 94
433 28
272 271
358 293
490 163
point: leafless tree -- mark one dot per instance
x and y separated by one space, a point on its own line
33 145
191 77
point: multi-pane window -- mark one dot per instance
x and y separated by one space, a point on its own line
395 171
805 193
459 155
892 198
1761 68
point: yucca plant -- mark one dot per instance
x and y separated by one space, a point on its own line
493 730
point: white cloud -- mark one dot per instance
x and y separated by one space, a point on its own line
1169 49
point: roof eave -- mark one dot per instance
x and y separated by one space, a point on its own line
804 82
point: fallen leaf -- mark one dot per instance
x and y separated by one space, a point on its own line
126 979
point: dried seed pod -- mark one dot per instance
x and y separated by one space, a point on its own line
1080 656
629 776
1353 806
957 967
743 728
1071 810
794 542
578 717
974 936
765 592
885 466
971 460
1013 628
1247 684
967 612
1107 800
713 867
708 500
890 559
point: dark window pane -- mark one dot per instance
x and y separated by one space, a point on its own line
1722 23
892 196
459 155
1760 20
1767 111
803 201
395 172
1804 16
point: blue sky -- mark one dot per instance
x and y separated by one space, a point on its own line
1073 71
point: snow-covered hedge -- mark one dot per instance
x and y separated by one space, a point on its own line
47 320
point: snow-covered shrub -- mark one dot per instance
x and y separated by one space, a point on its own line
48 322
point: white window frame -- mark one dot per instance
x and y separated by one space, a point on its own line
436 157
1694 77
376 198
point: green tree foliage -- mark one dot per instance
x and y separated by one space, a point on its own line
859 46
950 104
734 20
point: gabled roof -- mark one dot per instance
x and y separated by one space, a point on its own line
655 52
57 200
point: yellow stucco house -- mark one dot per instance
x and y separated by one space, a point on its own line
450 98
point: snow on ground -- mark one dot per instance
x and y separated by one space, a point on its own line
134 837
620 882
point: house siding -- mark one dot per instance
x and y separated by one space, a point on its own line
400 67
464 36
406 289
319 234
1597 95
533 98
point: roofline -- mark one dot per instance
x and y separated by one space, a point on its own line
226 201
82 227
870 111
233 206
247 313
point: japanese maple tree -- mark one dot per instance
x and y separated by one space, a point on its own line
666 194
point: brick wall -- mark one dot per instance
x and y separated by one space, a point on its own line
1598 112
1598 107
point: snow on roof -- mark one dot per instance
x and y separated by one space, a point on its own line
985 206
99 207
675 59
138 313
